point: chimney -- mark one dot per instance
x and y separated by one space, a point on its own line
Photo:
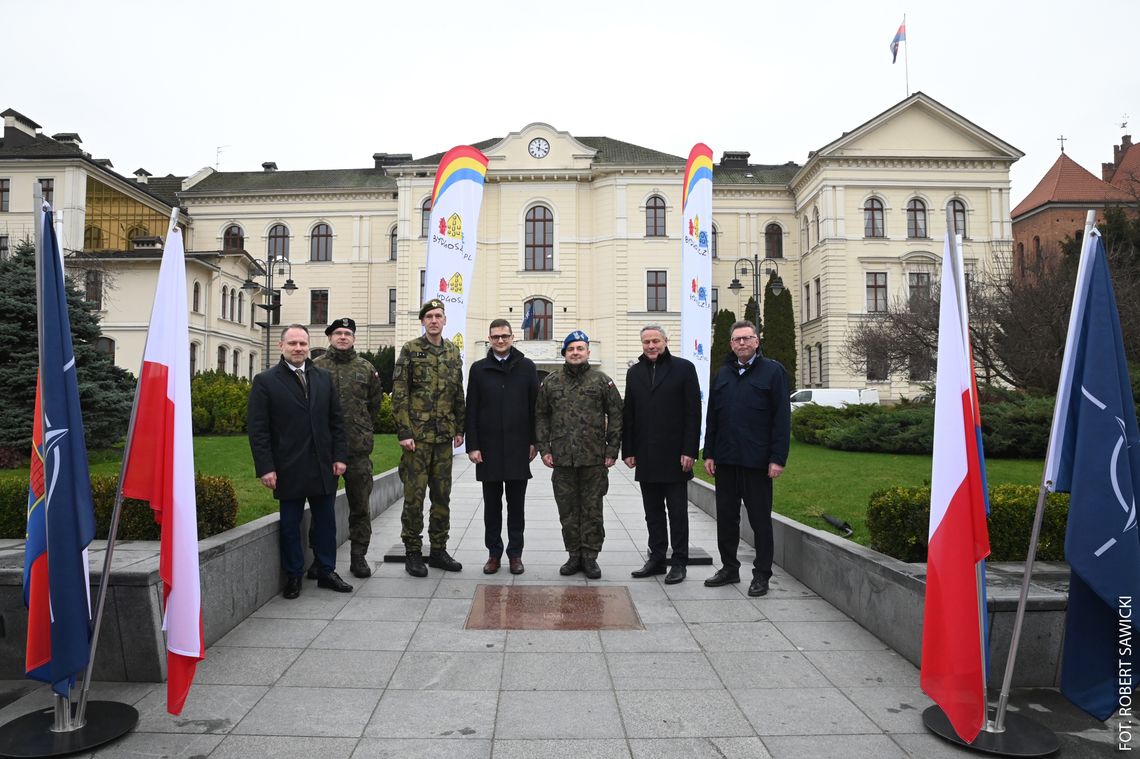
68 138
18 128
1107 170
269 166
734 159
390 159
141 175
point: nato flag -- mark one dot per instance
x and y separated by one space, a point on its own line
1099 464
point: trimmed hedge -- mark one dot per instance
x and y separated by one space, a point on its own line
218 403
898 522
217 508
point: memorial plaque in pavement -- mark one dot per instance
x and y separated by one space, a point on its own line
552 607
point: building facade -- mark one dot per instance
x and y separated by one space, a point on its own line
584 232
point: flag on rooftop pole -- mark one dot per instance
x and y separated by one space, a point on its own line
953 669
160 468
900 37
696 266
61 514
1094 454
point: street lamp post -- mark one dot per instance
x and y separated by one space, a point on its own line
740 269
267 268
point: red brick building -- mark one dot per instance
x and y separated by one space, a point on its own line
1056 208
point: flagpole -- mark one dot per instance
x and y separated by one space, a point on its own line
113 529
906 62
1038 517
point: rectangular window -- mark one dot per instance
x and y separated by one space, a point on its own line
920 367
276 308
807 302
5 193
715 302
876 292
422 275
318 307
656 291
93 293
810 378
4 247
919 286
48 187
818 300
391 305
876 368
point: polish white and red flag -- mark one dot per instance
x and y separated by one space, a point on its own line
160 469
953 665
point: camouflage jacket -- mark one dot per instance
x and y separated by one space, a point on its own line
358 386
578 416
427 392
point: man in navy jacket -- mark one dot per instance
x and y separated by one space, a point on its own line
747 434
296 434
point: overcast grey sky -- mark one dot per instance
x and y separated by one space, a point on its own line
327 84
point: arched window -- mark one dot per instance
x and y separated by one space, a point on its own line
222 359
320 243
92 238
278 242
233 238
225 300
236 363
106 346
815 221
916 218
958 208
805 236
873 219
655 216
715 242
392 240
425 217
1036 251
136 232
197 298
810 379
542 319
193 359
539 248
773 241
233 303
241 308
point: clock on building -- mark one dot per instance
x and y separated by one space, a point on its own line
539 147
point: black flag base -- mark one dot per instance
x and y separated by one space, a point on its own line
32 735
1021 736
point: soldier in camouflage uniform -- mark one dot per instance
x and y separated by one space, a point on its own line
578 426
358 386
428 403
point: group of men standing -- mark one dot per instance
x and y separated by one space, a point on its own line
311 422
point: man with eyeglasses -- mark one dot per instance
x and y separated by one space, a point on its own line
501 391
747 433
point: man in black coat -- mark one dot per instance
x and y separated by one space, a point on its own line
296 434
747 435
661 431
501 391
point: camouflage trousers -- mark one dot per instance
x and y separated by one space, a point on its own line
357 490
578 491
428 468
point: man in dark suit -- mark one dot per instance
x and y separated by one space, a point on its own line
746 447
661 432
501 391
296 433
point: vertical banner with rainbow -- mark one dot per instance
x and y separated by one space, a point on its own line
455 203
696 267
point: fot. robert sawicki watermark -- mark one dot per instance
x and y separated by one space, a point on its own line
1125 727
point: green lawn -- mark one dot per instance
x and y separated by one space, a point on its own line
839 483
229 456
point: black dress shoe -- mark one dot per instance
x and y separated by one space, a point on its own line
591 568
332 581
675 575
359 566
722 577
313 571
414 565
292 587
441 559
652 567
572 565
758 588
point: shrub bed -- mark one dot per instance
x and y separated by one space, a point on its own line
216 500
898 522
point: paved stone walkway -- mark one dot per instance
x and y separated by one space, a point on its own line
390 671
